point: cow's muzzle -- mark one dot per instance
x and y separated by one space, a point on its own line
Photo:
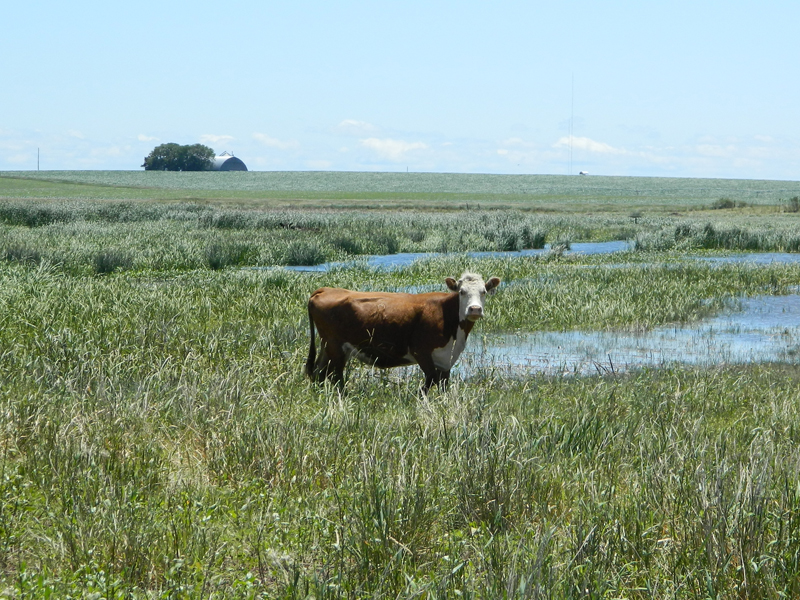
474 313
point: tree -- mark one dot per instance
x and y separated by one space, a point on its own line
162 158
197 157
174 157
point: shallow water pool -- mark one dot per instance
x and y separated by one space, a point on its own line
766 329
404 259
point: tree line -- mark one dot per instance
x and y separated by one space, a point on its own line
175 157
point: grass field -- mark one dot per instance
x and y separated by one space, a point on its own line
393 190
158 439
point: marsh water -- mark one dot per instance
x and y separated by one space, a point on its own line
404 259
761 329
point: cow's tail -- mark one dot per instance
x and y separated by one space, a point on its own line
312 348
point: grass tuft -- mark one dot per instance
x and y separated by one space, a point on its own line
22 254
303 253
109 261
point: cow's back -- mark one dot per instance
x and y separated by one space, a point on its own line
362 318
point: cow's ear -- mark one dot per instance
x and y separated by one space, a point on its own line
492 284
452 284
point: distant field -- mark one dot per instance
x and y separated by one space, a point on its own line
159 439
401 190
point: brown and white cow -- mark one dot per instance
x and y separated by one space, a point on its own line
393 330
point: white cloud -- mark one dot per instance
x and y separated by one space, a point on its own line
588 144
717 150
272 142
76 134
17 145
355 128
108 151
392 149
210 138
146 138
515 148
319 165
515 141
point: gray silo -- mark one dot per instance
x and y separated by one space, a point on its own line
228 162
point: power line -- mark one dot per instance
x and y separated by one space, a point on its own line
571 121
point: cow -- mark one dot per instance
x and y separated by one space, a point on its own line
387 330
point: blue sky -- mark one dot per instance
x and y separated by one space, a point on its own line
680 88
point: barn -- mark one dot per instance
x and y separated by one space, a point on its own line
228 162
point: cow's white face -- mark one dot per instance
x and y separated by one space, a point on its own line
471 294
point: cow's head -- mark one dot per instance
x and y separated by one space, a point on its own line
471 293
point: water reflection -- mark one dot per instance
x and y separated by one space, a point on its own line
766 329
760 258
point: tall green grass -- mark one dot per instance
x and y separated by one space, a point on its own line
178 236
86 237
158 438
760 236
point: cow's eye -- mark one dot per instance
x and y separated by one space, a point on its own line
463 292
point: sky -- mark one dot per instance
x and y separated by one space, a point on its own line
677 88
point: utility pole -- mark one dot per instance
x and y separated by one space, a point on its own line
571 121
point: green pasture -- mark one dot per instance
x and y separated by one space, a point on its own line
420 191
158 438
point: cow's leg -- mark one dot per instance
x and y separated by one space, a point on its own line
312 349
320 371
438 377
433 374
330 363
